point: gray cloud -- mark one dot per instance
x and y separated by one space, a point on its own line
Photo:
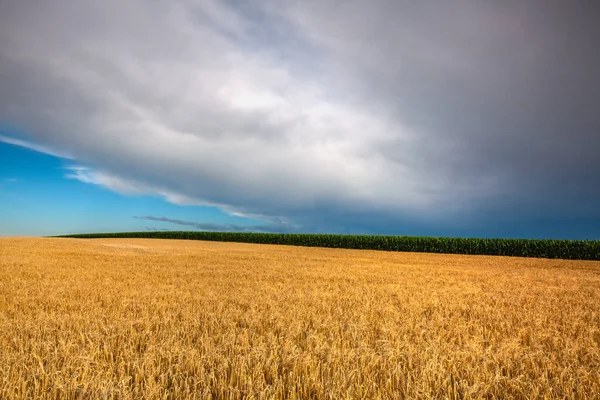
278 227
342 116
500 93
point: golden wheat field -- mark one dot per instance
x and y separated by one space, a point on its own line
150 319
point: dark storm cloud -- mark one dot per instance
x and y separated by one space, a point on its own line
503 94
385 116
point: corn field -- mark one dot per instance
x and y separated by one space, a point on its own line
565 249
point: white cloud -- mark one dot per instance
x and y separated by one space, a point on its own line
125 186
196 117
34 146
134 188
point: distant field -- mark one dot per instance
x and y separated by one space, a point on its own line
563 249
150 318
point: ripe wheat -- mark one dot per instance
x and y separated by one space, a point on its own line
142 318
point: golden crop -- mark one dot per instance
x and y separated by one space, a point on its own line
132 318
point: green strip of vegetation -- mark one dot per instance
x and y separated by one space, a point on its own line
564 249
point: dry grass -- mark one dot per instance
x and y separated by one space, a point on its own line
126 318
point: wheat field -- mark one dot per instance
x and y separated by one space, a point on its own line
168 319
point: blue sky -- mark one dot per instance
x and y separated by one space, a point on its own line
37 198
471 119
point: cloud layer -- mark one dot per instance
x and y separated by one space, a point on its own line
318 113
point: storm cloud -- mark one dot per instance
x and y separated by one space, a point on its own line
384 116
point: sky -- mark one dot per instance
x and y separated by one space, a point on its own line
441 118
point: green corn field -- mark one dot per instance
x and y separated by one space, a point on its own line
563 249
